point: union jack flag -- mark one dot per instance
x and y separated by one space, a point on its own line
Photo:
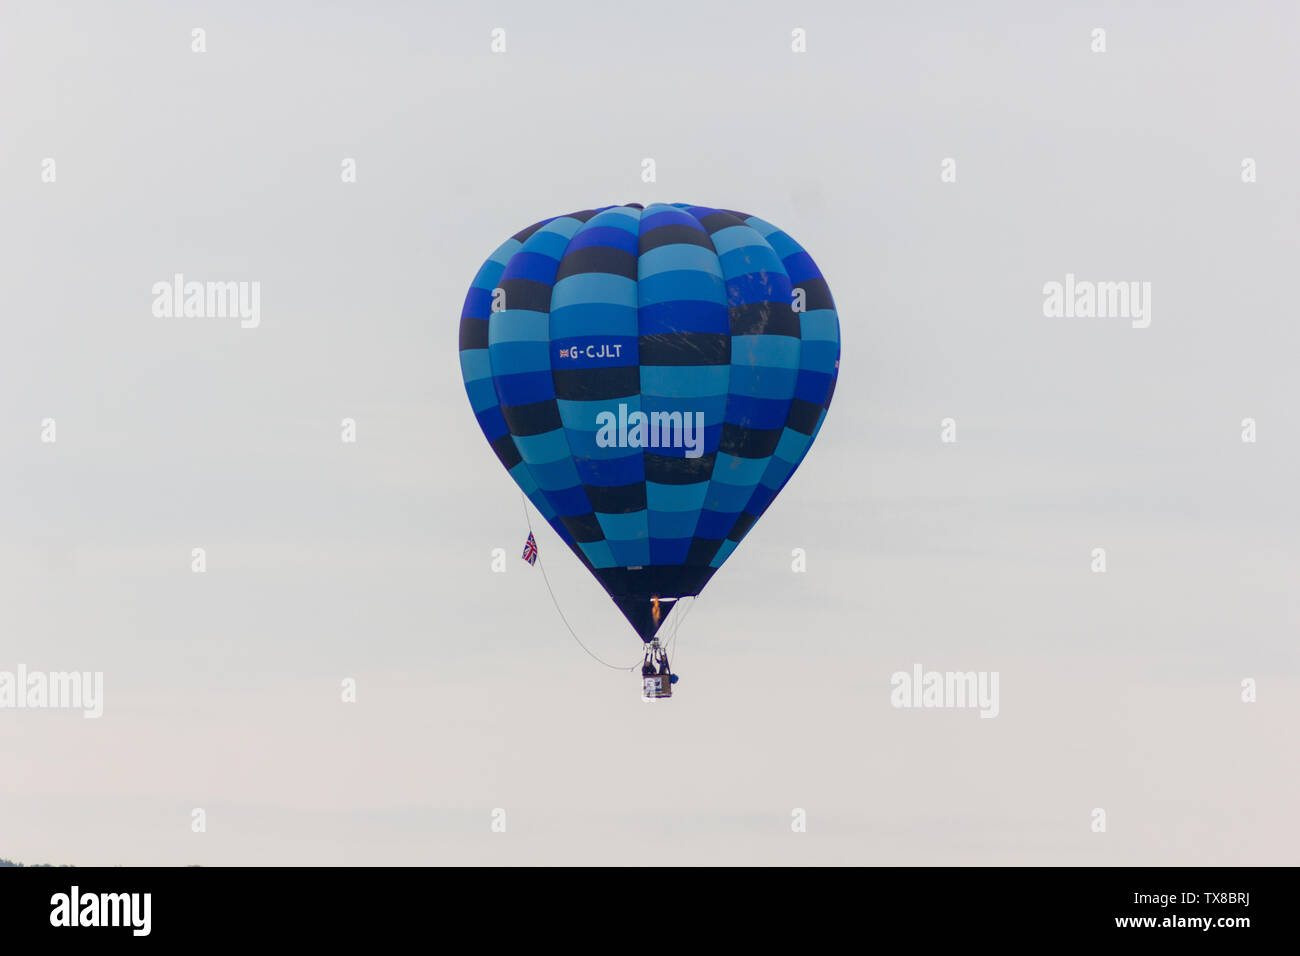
530 549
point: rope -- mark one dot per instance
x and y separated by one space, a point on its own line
542 565
677 625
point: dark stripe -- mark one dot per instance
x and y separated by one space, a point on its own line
507 451
741 441
527 294
473 333
718 220
606 259
702 551
535 419
524 234
803 416
742 526
765 318
618 500
656 580
677 471
583 527
673 234
590 385
685 348
817 294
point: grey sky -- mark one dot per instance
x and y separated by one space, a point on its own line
328 560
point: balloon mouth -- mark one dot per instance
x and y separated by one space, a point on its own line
654 610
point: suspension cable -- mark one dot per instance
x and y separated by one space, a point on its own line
542 565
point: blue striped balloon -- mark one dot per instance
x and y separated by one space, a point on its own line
651 378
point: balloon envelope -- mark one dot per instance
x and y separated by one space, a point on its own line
651 378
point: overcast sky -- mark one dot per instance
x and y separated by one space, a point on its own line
372 560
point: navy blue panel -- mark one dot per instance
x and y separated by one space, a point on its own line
622 499
579 385
685 348
765 318
666 470
598 259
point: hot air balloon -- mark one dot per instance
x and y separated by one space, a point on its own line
650 377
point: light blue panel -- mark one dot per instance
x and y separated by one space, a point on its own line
768 351
573 321
782 244
474 365
488 276
624 527
792 445
819 325
785 247
581 416
765 229
685 381
512 358
724 552
686 498
544 448
728 499
528 485
589 287
598 553
524 479
731 470
555 475
692 286
518 325
496 264
621 217
553 238
749 259
677 257
736 237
